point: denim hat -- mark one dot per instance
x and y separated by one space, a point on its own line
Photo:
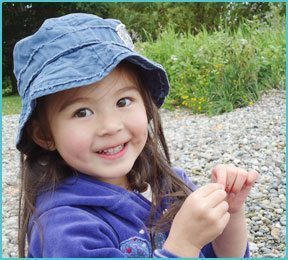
76 50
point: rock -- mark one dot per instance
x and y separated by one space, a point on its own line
279 211
253 247
275 233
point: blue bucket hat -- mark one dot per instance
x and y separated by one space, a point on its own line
76 50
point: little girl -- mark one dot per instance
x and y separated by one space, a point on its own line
96 177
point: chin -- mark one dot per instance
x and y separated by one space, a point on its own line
120 173
113 173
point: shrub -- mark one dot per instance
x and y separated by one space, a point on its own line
217 72
6 86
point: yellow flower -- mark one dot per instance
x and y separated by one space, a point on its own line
217 66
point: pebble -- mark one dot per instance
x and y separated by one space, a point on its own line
279 211
276 232
252 138
253 247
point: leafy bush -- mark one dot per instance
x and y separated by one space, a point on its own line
11 105
6 86
217 72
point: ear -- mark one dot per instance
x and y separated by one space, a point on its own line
40 137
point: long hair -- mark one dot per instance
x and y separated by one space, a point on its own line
43 170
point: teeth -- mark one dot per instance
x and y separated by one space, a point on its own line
113 150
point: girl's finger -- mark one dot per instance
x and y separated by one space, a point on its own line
221 209
215 198
207 189
231 177
219 174
241 177
252 177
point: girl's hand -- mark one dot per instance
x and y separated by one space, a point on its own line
237 183
202 217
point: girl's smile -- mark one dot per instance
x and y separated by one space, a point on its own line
114 152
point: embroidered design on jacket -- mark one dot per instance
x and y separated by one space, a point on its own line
136 247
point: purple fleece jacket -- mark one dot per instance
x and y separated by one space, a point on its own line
85 217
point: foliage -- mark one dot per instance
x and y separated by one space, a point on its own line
11 105
155 17
21 19
6 86
220 71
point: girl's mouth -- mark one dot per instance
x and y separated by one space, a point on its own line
114 152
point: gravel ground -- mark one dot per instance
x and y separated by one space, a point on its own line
251 137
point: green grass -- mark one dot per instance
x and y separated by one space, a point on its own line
11 105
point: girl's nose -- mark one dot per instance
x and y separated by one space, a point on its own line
109 125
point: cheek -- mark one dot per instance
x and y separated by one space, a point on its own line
142 133
139 126
68 140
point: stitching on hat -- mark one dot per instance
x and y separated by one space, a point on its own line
55 39
66 52
56 57
77 80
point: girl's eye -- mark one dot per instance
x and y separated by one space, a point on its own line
124 102
83 112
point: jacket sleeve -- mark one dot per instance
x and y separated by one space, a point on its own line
182 175
71 232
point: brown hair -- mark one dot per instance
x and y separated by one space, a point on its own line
43 169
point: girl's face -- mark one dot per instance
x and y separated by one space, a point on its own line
100 129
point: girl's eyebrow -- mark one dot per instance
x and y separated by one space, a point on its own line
128 88
69 102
